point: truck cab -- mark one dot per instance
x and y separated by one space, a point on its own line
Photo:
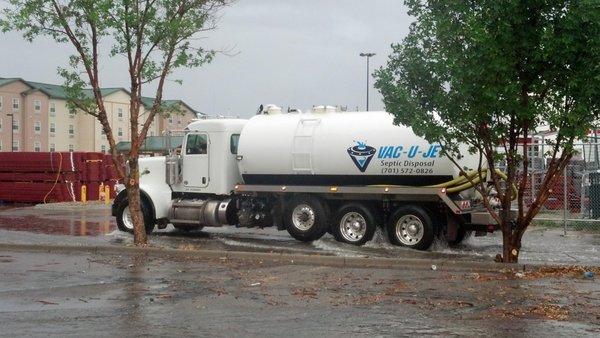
207 163
177 187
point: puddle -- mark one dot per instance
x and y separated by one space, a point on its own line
70 227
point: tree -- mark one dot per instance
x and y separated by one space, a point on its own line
155 37
489 74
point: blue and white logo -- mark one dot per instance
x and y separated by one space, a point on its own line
361 154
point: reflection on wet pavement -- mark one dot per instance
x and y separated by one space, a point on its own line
58 222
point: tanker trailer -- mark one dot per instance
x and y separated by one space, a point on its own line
356 171
346 173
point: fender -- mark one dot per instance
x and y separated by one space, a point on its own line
153 187
122 198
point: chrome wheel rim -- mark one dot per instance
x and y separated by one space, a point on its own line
353 226
127 220
409 230
303 217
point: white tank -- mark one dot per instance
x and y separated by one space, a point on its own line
346 148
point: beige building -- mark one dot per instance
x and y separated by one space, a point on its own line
42 120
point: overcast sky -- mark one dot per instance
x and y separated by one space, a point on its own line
287 52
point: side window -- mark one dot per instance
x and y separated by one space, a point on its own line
196 144
233 144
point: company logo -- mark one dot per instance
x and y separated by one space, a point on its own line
361 154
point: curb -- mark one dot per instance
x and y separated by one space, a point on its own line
300 259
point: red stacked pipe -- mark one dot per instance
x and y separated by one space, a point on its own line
35 177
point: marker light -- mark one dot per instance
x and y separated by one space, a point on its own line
443 190
386 189
333 189
283 188
236 187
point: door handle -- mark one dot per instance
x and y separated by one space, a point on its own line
203 180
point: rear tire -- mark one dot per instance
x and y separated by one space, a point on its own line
125 222
354 224
306 218
412 227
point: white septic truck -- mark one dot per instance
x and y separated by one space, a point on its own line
310 173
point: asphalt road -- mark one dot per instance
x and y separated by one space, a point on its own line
120 295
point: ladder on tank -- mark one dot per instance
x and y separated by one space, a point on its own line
302 146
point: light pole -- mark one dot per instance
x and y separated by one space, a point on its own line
12 131
368 56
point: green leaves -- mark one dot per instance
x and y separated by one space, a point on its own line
508 65
492 73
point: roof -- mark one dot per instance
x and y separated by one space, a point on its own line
149 101
105 91
53 91
5 81
234 125
60 92
154 144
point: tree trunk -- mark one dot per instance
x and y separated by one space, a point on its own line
511 244
133 195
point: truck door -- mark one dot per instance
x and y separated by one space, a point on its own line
195 160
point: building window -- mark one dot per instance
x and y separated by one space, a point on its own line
71 130
72 112
52 109
1 102
0 124
170 120
70 147
52 127
119 112
0 144
103 149
15 103
37 147
120 132
15 146
52 147
37 127
15 125
37 105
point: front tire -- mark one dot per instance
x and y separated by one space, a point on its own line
354 224
306 218
125 221
412 227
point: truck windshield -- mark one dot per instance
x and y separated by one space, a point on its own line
233 145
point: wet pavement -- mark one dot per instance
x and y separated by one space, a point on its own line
77 294
74 224
125 294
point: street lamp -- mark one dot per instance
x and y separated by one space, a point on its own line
368 56
12 131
